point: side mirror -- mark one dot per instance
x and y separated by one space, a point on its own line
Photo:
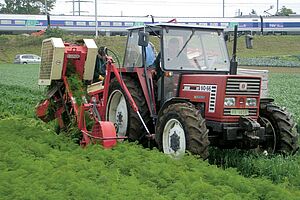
143 39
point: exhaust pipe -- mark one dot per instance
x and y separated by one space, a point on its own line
233 62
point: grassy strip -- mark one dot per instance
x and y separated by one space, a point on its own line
58 169
264 46
19 44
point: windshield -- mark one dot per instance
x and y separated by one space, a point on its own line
194 50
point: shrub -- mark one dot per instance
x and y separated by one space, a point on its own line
54 32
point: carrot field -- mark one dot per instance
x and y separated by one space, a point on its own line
36 163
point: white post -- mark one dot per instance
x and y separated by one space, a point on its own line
223 8
96 20
46 7
73 7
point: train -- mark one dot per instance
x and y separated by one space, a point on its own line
117 25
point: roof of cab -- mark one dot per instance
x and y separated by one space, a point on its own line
161 25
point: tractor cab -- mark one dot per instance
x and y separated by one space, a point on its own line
172 50
188 86
179 47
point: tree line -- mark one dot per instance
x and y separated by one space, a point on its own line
33 7
284 11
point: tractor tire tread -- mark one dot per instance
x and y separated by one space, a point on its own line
135 127
285 128
195 128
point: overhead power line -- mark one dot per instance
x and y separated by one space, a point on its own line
79 11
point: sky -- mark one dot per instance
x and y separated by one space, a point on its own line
176 8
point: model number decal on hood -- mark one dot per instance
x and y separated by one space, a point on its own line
212 89
198 87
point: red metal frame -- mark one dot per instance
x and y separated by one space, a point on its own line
41 110
112 69
102 131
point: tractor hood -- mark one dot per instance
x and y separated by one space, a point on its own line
213 89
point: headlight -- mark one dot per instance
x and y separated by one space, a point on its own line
229 101
251 102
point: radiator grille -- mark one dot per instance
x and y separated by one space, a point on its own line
46 61
252 86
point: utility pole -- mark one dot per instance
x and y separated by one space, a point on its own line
96 20
79 5
223 8
277 7
46 7
47 14
73 7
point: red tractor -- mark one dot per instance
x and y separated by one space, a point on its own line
185 99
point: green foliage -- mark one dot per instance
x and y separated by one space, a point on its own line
116 44
277 50
20 44
277 168
284 88
267 45
77 88
280 49
268 50
19 92
273 61
284 11
32 7
56 168
54 32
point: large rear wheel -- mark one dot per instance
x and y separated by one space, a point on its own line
120 112
181 128
281 131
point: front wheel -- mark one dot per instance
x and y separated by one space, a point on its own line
280 129
181 128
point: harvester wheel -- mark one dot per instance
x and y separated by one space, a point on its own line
280 128
120 112
181 128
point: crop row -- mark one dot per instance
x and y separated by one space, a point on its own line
268 61
31 145
37 164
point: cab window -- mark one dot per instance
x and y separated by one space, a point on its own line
133 54
195 49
